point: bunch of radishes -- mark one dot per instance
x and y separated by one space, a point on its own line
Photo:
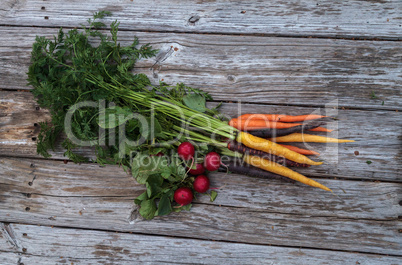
212 161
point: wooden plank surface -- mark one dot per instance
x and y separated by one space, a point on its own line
247 210
361 19
8 241
256 52
285 71
43 245
357 199
9 258
380 144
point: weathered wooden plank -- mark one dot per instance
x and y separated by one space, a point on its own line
8 239
43 246
9 258
247 210
377 134
308 72
363 19
212 222
357 200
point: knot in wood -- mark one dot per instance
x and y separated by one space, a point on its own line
194 19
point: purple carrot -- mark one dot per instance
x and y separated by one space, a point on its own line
240 168
272 133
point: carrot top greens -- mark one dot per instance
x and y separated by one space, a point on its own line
71 69
90 72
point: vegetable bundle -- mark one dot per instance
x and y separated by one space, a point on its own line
165 135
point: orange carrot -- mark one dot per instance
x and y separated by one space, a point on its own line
300 150
243 124
281 170
268 117
280 117
255 124
320 129
302 137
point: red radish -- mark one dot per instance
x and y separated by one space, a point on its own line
198 170
183 196
212 161
186 150
201 184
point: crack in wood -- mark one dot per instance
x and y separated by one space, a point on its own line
134 215
161 57
8 233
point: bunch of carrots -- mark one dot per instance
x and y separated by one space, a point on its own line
268 154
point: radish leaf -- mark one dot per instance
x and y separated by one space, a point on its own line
195 101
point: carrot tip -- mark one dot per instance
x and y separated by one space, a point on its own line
317 163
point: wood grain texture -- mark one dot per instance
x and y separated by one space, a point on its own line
9 258
247 210
8 240
255 52
287 71
376 200
363 19
99 247
377 134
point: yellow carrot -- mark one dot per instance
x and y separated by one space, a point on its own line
273 148
309 138
281 170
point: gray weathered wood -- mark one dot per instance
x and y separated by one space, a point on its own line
8 241
9 258
43 246
248 210
272 64
364 200
363 19
376 133
308 72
